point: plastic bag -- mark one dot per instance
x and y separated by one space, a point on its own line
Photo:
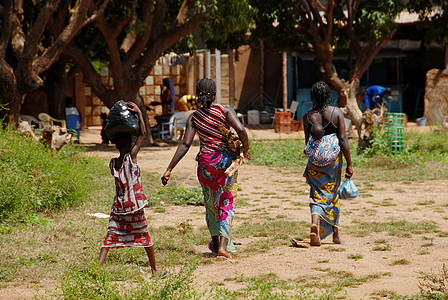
348 190
122 120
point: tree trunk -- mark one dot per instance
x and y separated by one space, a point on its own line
55 89
352 109
231 79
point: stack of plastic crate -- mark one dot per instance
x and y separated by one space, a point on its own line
394 124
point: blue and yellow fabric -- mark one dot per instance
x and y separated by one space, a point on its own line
324 183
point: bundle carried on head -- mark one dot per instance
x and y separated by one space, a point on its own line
206 92
122 120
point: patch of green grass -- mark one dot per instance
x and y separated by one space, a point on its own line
34 179
176 195
394 228
381 248
428 244
423 252
380 241
402 261
159 209
335 249
426 202
355 256
387 203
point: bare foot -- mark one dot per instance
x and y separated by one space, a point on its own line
314 236
336 238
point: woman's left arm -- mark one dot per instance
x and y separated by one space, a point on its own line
181 150
343 142
233 120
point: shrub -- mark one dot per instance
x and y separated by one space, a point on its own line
33 179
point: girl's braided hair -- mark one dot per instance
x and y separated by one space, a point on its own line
206 91
320 95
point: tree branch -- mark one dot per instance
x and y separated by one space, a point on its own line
6 29
165 41
76 22
141 40
90 74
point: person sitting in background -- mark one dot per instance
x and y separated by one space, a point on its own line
188 102
167 96
375 96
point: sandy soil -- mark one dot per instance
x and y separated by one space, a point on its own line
275 190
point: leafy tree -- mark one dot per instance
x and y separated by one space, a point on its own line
433 20
25 51
131 35
360 27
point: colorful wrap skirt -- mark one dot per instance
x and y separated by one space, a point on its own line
219 192
129 230
324 184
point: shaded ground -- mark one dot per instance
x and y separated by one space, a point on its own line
283 195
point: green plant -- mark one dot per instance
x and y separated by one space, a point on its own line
435 286
177 195
33 179
355 256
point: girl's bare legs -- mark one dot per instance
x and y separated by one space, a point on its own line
152 258
103 254
314 235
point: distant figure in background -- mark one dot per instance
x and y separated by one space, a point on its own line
73 117
166 96
375 96
188 102
104 137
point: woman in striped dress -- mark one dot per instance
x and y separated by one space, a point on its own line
213 159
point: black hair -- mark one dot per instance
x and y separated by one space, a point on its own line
320 95
122 139
206 91
68 101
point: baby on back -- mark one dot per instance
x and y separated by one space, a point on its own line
321 149
317 131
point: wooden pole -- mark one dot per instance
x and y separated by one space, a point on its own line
285 81
231 79
218 75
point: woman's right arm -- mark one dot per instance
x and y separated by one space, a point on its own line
305 127
343 142
181 150
233 120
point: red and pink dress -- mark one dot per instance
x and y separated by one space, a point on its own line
127 222
213 159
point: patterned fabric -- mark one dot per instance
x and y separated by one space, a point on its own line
219 192
324 183
127 222
129 196
322 152
206 122
129 230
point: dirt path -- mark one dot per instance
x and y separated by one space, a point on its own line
282 194
277 193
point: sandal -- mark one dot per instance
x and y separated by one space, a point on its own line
299 243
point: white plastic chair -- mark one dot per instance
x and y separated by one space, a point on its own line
31 120
46 119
